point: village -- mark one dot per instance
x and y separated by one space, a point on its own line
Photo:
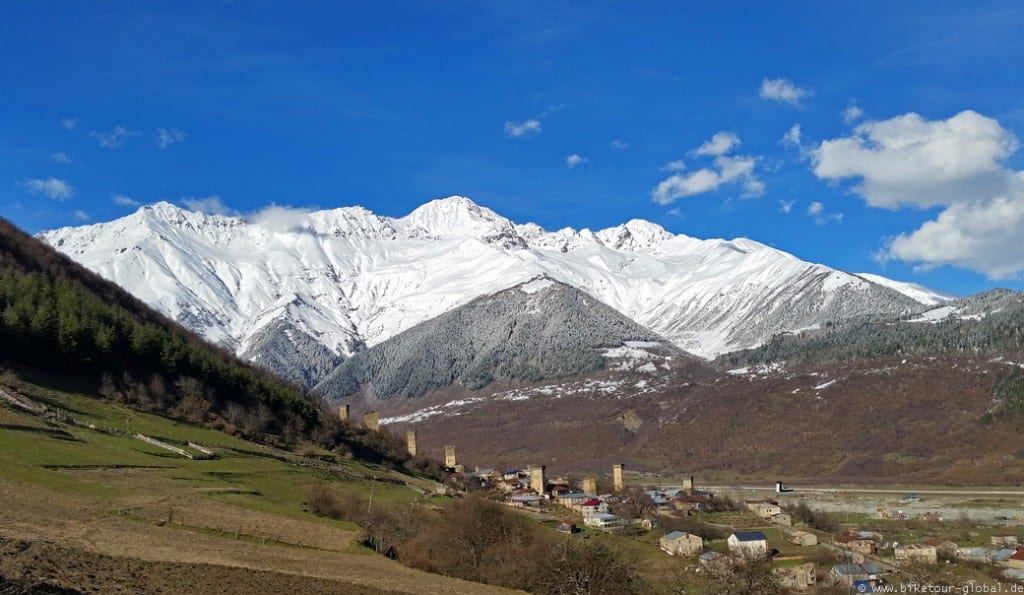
718 533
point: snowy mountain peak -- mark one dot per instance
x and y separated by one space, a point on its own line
347 278
456 216
636 234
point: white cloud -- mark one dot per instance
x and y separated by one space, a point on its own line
80 215
817 210
210 205
852 113
573 160
51 187
792 137
955 164
60 157
674 165
618 144
69 123
527 128
719 144
166 137
115 138
678 186
282 219
124 201
982 236
727 169
786 206
782 90
910 161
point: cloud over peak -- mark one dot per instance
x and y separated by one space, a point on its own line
725 169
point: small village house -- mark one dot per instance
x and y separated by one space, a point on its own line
1016 560
919 553
803 538
943 547
1004 541
681 543
797 578
858 542
713 560
603 521
764 509
567 528
849 575
748 544
593 506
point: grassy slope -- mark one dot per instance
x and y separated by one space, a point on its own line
107 494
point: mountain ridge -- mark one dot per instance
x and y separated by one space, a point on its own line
348 278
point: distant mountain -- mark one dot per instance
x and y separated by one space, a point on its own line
988 324
538 330
334 282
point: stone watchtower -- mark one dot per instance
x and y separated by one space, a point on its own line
617 480
590 486
343 412
371 419
449 456
410 442
538 479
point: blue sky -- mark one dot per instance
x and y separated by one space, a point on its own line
869 136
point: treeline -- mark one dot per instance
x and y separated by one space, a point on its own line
62 320
511 335
480 540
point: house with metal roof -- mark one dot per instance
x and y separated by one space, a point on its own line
603 521
748 544
850 574
681 543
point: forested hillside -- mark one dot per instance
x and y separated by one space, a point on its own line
535 331
65 323
991 323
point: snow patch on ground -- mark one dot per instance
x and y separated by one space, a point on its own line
935 315
825 385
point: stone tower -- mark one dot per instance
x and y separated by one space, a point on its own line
590 486
449 456
343 412
410 442
538 480
371 419
617 479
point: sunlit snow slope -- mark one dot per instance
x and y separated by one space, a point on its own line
346 278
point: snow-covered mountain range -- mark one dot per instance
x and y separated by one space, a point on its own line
326 284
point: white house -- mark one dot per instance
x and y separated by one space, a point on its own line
604 521
748 544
